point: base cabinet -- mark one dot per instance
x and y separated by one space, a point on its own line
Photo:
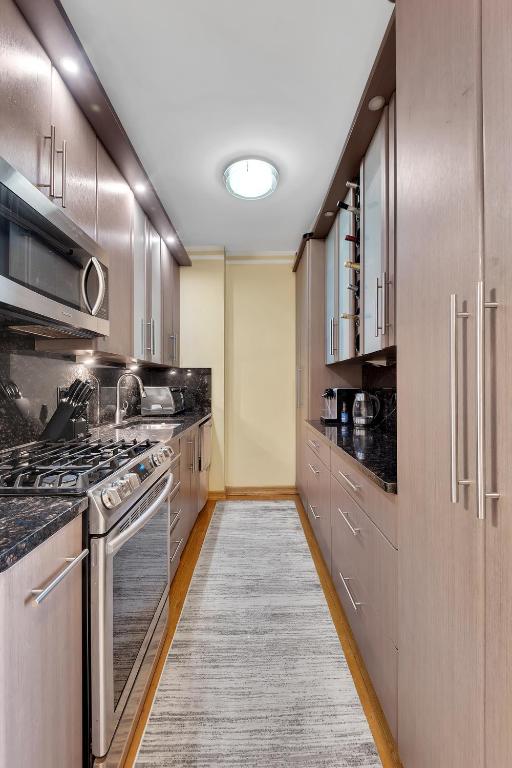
41 657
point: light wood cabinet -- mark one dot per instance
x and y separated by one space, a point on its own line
440 544
170 307
153 295
340 305
25 96
41 657
75 158
319 507
114 234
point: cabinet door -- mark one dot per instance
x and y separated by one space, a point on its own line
374 238
389 286
75 176
41 657
331 295
346 284
25 96
170 295
175 282
497 110
114 214
440 544
153 294
140 331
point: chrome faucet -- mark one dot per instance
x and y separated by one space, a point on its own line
120 412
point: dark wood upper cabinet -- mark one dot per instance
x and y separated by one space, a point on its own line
114 234
75 175
25 97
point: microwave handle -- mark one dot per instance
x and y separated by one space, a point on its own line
118 541
93 262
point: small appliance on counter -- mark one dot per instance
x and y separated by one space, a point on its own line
70 421
336 409
162 401
365 410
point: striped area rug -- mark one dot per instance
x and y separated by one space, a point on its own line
256 676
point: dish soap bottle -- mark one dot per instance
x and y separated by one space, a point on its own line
344 413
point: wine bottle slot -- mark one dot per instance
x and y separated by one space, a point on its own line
352 185
349 208
352 265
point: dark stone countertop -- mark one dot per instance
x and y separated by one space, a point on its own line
25 522
373 449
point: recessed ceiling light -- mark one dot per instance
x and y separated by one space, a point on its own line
251 179
69 65
140 187
329 214
376 103
170 239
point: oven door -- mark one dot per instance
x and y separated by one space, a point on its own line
129 588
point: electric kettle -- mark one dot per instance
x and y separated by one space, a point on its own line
365 410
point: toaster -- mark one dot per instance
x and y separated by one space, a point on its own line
162 401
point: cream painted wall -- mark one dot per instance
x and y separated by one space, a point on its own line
202 297
260 367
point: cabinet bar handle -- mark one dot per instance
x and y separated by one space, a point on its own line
384 304
481 493
152 335
315 516
354 487
344 515
51 186
314 471
142 340
331 346
344 580
64 153
377 326
178 545
314 445
454 400
72 562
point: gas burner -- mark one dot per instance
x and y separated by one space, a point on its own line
64 468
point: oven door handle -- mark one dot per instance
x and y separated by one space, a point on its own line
121 539
93 262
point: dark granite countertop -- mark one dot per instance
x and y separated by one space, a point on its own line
373 449
25 522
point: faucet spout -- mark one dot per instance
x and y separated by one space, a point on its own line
119 411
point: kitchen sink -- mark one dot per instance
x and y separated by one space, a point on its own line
143 424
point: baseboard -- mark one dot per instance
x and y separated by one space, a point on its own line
259 492
216 495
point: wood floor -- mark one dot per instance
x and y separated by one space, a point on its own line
178 592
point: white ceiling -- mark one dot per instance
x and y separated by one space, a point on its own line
198 83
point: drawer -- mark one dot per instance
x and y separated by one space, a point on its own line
319 503
320 448
363 555
379 654
380 506
179 535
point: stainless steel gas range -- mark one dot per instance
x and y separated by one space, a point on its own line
130 487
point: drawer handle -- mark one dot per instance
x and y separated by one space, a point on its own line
355 604
315 516
178 545
344 515
314 471
72 562
175 521
314 445
349 482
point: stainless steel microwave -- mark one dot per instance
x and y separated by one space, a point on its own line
53 276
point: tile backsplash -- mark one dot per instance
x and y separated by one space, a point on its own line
29 384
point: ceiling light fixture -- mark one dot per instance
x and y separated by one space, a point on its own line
376 103
170 239
69 65
251 179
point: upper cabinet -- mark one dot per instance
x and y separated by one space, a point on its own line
114 233
153 296
331 297
374 240
74 158
170 307
25 96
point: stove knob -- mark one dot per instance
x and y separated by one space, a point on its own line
110 497
156 458
133 479
167 453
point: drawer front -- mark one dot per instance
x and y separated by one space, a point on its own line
179 534
379 654
366 557
318 446
319 507
380 506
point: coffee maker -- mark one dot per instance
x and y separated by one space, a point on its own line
334 397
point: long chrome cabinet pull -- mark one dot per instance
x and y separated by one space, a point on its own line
315 516
454 401
51 186
355 604
72 562
314 471
314 445
142 337
481 493
349 482
384 304
331 330
344 515
64 153
377 326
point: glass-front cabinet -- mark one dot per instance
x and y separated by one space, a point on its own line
331 298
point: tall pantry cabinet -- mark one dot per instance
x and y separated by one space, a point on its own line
454 128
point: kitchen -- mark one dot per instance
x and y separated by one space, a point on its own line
254 472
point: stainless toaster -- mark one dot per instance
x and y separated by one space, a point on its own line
162 401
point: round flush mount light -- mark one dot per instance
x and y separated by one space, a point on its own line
251 179
376 103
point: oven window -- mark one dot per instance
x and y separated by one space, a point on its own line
140 578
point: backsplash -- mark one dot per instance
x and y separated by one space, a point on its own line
29 382
380 381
